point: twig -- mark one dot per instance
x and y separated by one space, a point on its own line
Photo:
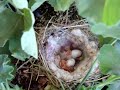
76 26
66 21
84 25
17 63
30 81
98 79
24 64
46 28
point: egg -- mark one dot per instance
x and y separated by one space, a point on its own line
63 65
70 62
76 53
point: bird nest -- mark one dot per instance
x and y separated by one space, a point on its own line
68 51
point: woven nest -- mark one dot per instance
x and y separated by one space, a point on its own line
55 41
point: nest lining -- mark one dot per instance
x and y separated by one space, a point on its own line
56 39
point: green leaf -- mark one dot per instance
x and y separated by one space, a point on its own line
88 88
7 87
91 9
61 5
28 39
82 88
50 87
109 59
29 44
107 40
111 13
107 11
114 86
34 4
5 49
110 80
2 5
5 69
20 4
117 46
28 18
107 31
11 25
16 50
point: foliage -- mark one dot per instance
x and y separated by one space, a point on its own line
114 86
7 87
16 49
106 11
34 4
111 81
110 54
29 41
105 14
91 9
5 69
20 4
111 13
61 5
58 5
21 22
17 35
9 29
107 31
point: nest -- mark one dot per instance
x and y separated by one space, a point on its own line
56 47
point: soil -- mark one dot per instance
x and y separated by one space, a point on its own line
31 74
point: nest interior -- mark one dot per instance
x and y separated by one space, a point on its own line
57 38
77 31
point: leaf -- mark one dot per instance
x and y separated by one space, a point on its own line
11 25
82 88
5 69
7 87
2 5
17 24
50 87
20 4
61 5
28 39
91 9
34 4
88 88
107 40
114 86
107 31
111 13
28 18
117 46
110 80
16 50
107 11
5 49
109 59
29 44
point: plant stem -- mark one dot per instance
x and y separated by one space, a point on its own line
83 80
114 42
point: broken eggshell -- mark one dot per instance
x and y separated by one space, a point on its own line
62 38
